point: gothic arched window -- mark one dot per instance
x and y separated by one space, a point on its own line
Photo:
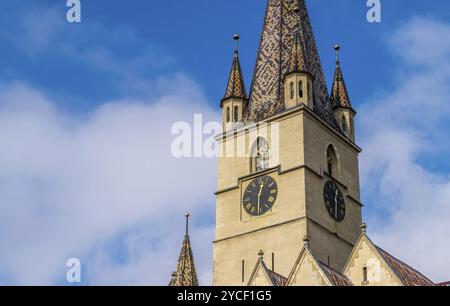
332 165
300 89
260 155
228 114
236 114
292 90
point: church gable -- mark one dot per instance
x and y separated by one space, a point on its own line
367 267
307 272
262 276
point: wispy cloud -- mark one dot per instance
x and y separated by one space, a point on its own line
404 136
103 188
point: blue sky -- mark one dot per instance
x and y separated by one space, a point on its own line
88 100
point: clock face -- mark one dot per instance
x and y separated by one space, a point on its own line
334 201
260 196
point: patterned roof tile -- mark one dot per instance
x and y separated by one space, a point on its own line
339 93
407 275
336 278
266 94
235 85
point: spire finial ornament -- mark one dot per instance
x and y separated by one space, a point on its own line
236 38
364 228
306 241
261 254
186 214
337 47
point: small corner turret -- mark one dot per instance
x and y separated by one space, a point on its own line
340 100
298 81
235 100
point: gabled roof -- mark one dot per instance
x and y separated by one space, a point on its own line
272 278
407 275
330 276
335 277
404 273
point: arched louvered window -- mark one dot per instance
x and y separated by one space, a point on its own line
228 114
260 155
236 114
332 165
292 90
344 125
300 89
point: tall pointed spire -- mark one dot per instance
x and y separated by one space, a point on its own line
235 85
339 93
185 274
267 90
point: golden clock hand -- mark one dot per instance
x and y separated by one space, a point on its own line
259 197
336 204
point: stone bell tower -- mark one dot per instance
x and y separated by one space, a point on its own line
312 188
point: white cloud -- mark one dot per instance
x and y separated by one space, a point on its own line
102 187
402 130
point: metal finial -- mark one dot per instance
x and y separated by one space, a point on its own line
261 254
236 38
337 48
364 228
306 241
186 214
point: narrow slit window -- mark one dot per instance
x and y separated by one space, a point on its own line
292 89
365 274
228 114
243 270
344 125
236 114
300 89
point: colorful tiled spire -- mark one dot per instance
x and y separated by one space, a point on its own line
339 93
267 90
185 274
298 61
235 85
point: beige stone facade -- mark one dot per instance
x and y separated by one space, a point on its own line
301 172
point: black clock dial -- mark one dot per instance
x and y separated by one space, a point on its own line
334 201
260 196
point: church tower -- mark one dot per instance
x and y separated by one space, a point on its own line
299 175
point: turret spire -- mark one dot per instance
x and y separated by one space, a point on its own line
185 274
298 58
235 85
343 111
339 94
